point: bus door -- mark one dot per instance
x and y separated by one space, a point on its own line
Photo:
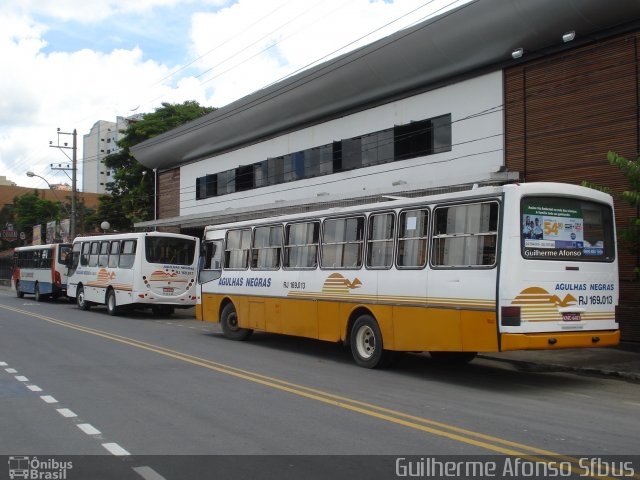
209 271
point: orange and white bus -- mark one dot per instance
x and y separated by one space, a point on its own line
153 269
512 267
40 270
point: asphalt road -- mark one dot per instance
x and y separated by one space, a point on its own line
85 383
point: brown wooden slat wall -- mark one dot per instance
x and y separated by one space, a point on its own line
563 113
169 193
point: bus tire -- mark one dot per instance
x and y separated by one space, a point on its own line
453 358
112 307
229 324
19 293
81 301
367 345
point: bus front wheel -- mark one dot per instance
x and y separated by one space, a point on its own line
229 324
81 299
366 344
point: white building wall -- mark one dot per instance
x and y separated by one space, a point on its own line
477 150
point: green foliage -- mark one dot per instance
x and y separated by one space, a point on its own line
30 210
630 235
132 189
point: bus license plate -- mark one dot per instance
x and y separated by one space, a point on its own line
167 291
571 317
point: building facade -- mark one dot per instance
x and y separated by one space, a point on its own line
97 144
539 92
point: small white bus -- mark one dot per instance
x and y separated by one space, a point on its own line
514 267
153 269
40 270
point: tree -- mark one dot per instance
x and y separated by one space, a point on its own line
628 236
132 189
30 210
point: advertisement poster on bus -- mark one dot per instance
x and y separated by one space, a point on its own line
552 232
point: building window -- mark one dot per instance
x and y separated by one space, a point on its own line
403 142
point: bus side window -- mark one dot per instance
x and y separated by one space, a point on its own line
237 246
114 253
127 254
84 258
93 255
267 245
380 240
342 242
103 259
412 238
301 245
465 235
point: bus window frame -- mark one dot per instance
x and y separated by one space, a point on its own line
427 237
497 235
361 242
280 248
247 261
286 245
369 242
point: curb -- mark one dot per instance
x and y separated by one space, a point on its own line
554 367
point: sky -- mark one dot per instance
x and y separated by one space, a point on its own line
69 63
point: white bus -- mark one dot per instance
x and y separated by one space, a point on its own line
154 269
40 270
513 267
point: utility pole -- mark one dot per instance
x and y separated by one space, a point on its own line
74 169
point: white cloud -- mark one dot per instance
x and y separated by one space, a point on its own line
43 87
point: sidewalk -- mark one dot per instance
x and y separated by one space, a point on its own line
622 361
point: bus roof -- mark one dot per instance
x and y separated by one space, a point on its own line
130 235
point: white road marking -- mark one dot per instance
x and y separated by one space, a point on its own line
65 412
148 473
115 449
3 364
20 378
34 388
88 429
49 399
11 370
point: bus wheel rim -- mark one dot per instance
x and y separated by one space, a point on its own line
366 342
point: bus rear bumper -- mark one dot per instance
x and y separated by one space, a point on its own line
559 340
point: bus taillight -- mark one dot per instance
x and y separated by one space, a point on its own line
57 279
510 316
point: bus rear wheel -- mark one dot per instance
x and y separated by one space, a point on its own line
36 293
229 324
19 293
112 307
81 300
367 347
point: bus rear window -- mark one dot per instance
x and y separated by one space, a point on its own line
557 228
170 250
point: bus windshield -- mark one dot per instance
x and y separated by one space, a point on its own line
557 228
170 250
